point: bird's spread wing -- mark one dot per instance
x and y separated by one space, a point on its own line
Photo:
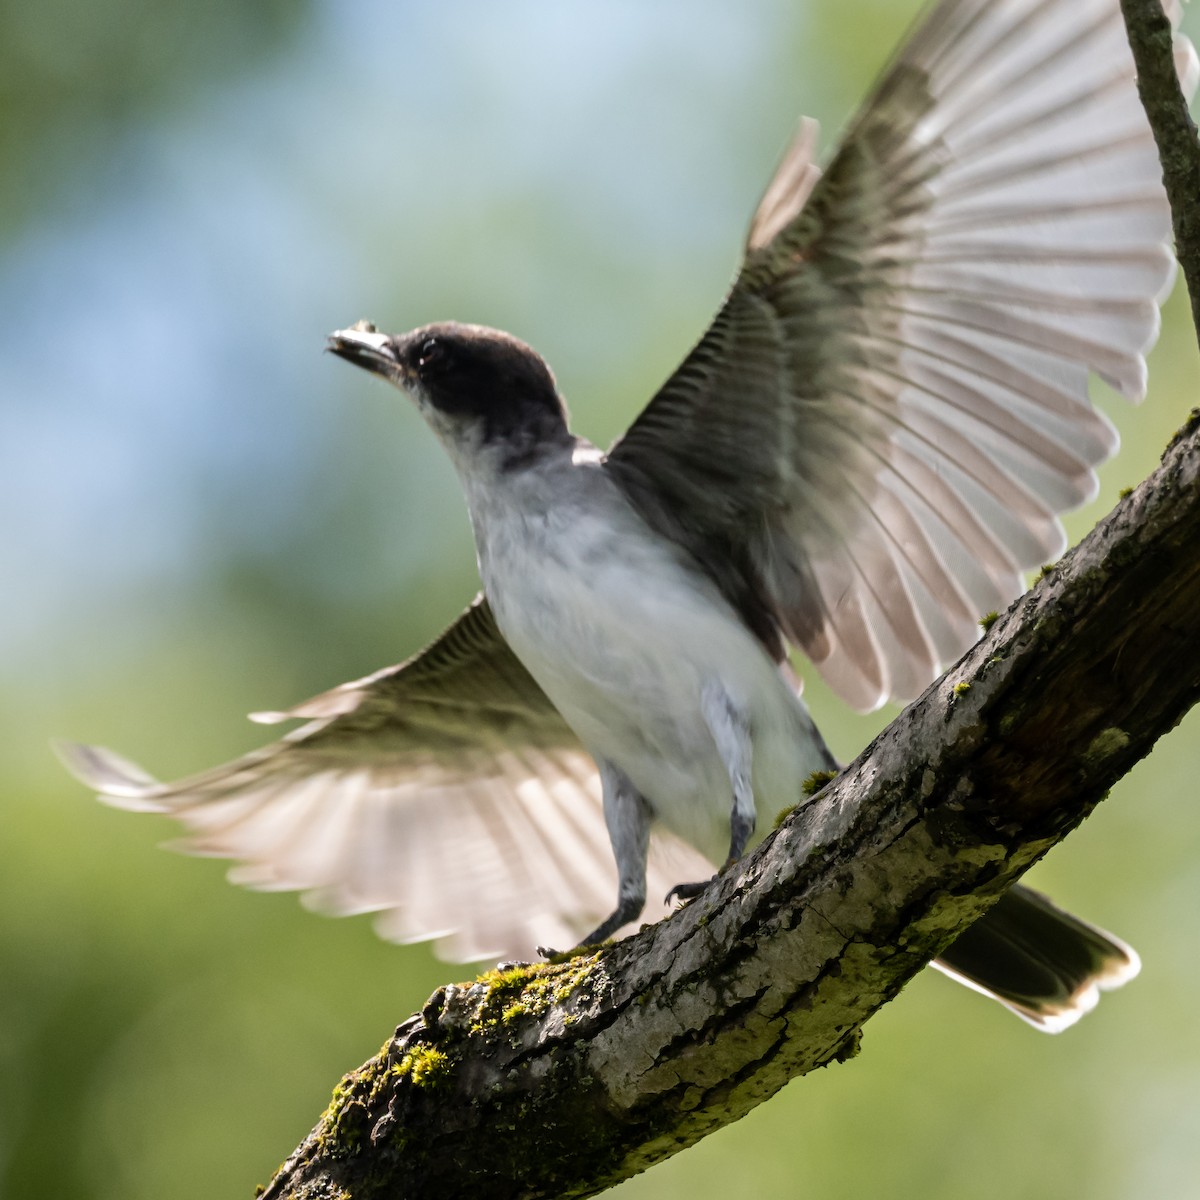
887 414
446 794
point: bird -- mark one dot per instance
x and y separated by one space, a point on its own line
862 454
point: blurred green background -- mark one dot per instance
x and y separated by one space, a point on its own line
205 515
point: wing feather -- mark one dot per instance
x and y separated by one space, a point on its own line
446 795
885 419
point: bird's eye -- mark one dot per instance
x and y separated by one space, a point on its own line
430 354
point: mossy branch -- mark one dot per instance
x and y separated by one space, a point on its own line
562 1079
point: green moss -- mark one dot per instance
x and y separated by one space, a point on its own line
1125 493
346 1122
850 1047
1186 428
369 1105
1046 570
343 1124
423 1066
783 814
1104 745
530 989
962 688
988 620
816 781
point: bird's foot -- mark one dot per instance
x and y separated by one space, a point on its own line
628 909
683 892
560 956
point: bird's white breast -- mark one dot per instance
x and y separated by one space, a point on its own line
623 634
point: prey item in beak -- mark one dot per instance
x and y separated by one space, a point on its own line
364 346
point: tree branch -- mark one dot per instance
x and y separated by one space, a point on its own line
1151 39
563 1079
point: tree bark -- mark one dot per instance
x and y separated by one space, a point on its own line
1150 39
562 1079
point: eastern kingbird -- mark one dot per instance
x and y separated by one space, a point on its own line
860 457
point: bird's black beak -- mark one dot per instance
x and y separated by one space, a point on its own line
364 346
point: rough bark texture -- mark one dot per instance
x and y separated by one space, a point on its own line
562 1079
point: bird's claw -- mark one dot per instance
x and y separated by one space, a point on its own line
683 892
560 956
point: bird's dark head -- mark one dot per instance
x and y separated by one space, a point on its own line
475 386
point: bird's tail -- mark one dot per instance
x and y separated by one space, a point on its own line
1044 964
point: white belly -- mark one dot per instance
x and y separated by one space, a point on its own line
623 638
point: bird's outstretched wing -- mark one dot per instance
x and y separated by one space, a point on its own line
446 794
875 436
